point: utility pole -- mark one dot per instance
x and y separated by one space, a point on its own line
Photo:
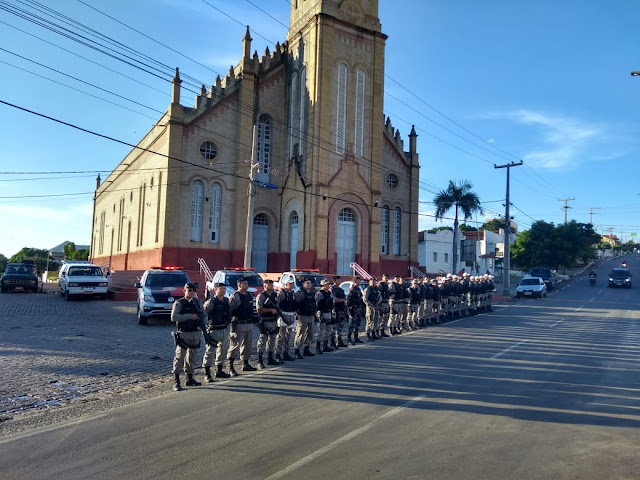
590 215
248 243
566 207
507 234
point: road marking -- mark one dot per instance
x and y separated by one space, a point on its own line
558 322
304 460
510 348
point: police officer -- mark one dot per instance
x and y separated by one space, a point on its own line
340 313
383 288
241 303
218 313
490 288
402 298
324 303
268 325
286 322
306 309
372 300
415 298
355 305
188 315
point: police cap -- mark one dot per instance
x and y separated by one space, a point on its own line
336 277
189 285
219 284
268 281
240 280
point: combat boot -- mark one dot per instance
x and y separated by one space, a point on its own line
260 363
271 360
288 358
246 367
232 371
307 352
327 348
341 343
350 339
383 334
207 375
298 355
279 358
191 382
333 342
176 382
356 339
318 348
220 373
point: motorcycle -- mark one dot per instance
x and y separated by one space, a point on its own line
592 279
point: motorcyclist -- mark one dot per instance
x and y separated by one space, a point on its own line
593 274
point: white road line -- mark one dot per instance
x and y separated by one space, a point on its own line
510 348
303 461
558 322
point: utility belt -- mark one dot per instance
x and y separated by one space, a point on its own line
288 319
217 327
245 321
180 342
266 330
326 317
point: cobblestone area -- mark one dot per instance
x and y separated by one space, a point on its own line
54 352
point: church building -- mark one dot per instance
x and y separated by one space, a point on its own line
332 182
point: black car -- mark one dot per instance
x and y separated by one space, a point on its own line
545 273
20 275
620 277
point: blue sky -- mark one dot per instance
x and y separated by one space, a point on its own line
485 83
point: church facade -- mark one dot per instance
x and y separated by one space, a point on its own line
332 182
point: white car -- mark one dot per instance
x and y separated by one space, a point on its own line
299 276
82 279
531 287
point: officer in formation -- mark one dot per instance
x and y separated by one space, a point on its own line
306 308
241 335
269 312
372 299
286 300
218 313
188 314
383 288
324 303
356 306
340 309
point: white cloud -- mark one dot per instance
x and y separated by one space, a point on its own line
491 140
563 139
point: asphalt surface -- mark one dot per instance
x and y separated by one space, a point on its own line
540 389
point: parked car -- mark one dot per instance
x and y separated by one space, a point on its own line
346 286
82 279
547 274
158 288
20 275
299 276
229 276
620 277
531 287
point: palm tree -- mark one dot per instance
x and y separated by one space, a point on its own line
460 196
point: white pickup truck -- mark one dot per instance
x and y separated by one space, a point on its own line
299 276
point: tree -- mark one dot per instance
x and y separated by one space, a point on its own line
70 252
467 228
39 256
3 262
495 224
463 199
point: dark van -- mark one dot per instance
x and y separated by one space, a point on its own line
547 274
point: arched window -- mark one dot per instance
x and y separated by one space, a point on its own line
341 107
359 125
384 230
263 147
302 110
397 228
215 213
197 206
293 239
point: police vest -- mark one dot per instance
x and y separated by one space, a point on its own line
383 288
308 304
354 299
245 310
188 307
414 295
287 301
325 303
372 295
268 301
220 314
338 293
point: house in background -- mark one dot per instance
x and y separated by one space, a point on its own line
435 251
57 252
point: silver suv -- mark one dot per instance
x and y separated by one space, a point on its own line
158 288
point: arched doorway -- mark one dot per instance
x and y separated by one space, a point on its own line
346 238
260 247
293 239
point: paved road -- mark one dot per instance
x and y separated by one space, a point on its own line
541 389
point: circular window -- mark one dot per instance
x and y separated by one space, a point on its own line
392 180
208 150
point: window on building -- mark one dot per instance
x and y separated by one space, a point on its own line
302 110
446 257
384 230
215 213
263 147
341 110
208 150
359 120
392 181
294 115
397 213
435 256
197 205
